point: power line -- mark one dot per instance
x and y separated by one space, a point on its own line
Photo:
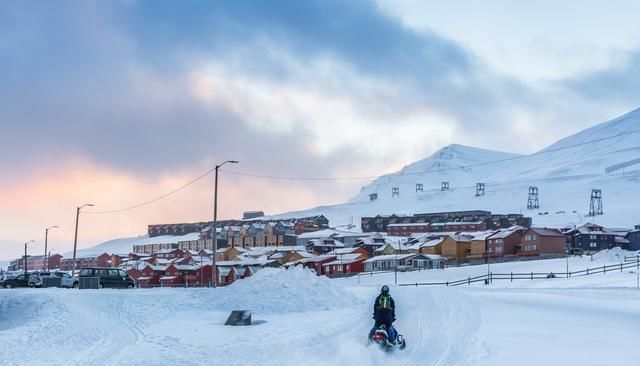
357 178
155 199
430 171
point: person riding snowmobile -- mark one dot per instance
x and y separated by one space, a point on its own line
384 313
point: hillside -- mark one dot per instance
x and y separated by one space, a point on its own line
565 172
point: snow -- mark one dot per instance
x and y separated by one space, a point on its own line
303 319
283 291
564 175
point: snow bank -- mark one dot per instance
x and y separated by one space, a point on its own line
613 255
280 291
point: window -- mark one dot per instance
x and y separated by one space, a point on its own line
86 272
122 273
593 245
593 237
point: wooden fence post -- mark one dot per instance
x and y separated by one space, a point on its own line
604 268
531 276
511 276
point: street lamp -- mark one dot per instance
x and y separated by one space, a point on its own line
215 222
48 264
75 239
46 235
25 255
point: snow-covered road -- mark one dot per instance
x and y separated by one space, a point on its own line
304 320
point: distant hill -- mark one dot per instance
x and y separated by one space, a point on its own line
565 172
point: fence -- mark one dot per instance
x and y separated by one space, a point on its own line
490 277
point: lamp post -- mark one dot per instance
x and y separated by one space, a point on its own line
214 231
75 239
25 256
46 236
49 264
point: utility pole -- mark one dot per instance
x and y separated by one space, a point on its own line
46 236
75 239
25 256
214 230
49 264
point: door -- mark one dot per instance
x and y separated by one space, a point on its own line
114 279
65 280
123 278
105 279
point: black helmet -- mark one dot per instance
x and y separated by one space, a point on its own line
385 290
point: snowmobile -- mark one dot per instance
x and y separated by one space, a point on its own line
381 338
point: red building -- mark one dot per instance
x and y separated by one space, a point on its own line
345 264
542 242
102 260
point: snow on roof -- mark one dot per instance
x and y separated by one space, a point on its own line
326 242
169 239
332 232
164 278
546 231
159 268
345 259
317 258
144 278
409 224
390 257
483 235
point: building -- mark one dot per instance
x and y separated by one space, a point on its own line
316 262
35 263
406 229
323 246
477 220
590 238
634 239
345 264
479 249
248 215
403 262
101 260
542 242
371 243
456 247
505 242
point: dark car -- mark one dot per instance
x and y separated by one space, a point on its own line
109 277
18 281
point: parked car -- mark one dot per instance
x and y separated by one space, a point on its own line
109 277
35 279
65 279
17 281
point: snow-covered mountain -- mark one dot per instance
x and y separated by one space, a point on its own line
606 156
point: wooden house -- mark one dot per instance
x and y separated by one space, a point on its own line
456 247
505 242
542 242
345 264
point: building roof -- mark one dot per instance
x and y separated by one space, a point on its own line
390 257
345 259
326 242
543 231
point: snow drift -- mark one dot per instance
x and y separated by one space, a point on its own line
282 291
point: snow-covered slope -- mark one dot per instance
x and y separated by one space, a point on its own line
564 172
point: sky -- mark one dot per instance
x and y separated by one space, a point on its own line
116 103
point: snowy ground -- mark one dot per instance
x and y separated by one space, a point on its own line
305 320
